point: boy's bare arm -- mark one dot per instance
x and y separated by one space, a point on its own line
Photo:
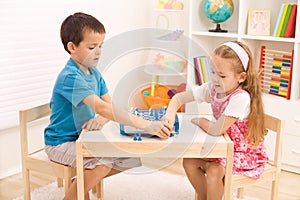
106 97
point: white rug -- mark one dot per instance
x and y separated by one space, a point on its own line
146 185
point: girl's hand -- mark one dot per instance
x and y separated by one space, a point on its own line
159 128
169 120
96 123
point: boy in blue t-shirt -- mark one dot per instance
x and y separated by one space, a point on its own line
78 95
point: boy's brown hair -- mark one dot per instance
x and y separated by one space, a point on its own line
75 25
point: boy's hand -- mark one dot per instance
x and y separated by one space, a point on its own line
96 123
159 128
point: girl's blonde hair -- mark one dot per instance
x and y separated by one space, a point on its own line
256 130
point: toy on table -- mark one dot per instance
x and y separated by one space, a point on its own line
152 115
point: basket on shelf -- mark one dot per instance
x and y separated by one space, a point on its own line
160 97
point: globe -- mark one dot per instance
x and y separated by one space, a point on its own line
218 11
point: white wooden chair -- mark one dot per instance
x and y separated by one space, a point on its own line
272 169
38 160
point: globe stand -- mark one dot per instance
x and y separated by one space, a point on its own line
218 29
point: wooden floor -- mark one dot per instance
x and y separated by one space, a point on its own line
12 187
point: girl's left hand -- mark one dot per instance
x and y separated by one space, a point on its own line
96 123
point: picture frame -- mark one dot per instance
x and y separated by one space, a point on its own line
258 22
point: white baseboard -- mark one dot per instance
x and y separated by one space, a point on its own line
10 172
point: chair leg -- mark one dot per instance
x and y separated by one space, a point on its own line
68 182
228 195
240 193
67 178
60 182
275 187
94 189
99 189
26 180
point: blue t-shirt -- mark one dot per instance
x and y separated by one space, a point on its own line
68 112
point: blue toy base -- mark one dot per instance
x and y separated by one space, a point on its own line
152 115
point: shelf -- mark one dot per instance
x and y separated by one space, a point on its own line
275 98
168 10
212 34
235 35
160 70
268 38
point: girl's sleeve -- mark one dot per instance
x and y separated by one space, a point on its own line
202 93
238 106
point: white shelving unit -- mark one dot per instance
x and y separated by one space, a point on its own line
289 110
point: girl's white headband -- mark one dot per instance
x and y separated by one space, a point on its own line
242 54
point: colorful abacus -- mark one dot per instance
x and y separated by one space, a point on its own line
276 71
152 115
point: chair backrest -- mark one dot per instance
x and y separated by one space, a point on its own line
30 115
276 125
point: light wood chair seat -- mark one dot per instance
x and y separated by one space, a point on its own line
269 173
41 154
38 160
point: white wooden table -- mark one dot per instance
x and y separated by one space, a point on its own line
192 142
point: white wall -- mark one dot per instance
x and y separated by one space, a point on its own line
117 16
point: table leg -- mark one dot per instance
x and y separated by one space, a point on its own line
228 193
79 168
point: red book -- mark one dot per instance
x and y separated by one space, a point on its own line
197 71
290 28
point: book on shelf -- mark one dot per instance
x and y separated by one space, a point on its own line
208 70
282 20
197 71
278 20
202 70
291 26
286 21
